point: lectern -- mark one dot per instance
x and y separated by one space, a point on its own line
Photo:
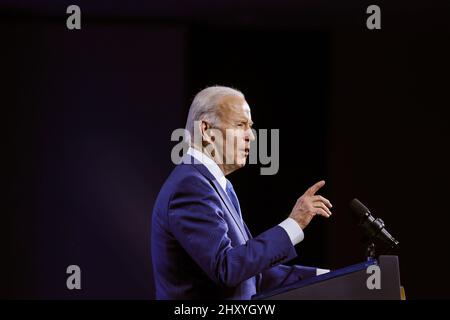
349 283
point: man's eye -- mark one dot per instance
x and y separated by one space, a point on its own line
240 125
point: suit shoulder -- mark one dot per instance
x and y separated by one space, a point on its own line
185 175
184 178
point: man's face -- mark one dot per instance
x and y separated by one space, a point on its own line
236 128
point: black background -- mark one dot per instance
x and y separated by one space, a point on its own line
89 115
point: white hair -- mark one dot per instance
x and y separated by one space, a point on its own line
205 106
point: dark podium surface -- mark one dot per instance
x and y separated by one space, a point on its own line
349 283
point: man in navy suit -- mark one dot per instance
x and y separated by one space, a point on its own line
201 247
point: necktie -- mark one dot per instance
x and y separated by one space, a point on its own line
232 195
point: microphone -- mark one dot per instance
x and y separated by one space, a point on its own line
373 227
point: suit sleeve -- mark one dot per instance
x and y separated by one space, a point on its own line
196 220
282 275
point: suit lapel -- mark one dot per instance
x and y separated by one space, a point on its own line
222 194
230 207
248 231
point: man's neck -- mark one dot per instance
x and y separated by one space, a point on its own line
226 169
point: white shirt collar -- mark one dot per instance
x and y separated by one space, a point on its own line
209 163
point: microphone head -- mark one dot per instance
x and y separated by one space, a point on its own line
359 210
373 228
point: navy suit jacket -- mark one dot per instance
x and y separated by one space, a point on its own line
200 252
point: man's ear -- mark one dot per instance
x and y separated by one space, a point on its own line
207 133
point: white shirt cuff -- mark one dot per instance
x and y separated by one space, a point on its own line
293 230
321 271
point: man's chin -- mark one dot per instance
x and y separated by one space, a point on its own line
241 163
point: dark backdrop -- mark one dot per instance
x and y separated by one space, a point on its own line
89 115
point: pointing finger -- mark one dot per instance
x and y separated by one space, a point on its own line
312 190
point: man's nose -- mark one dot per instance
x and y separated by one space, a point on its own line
249 136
